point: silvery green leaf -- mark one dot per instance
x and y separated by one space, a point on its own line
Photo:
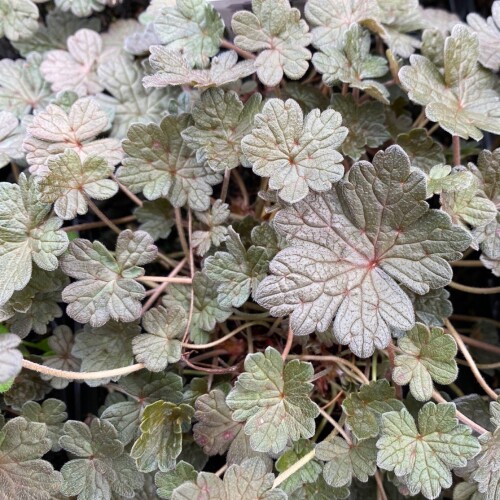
297 153
69 182
171 68
365 408
216 232
10 357
467 491
106 287
463 99
11 138
166 482
131 102
27 234
440 19
160 164
221 120
353 247
18 19
432 308
105 348
427 355
61 344
247 481
54 33
277 32
113 39
443 178
489 236
487 474
351 62
423 456
433 46
206 309
488 171
81 8
238 271
331 18
272 398
192 27
160 442
52 413
54 130
364 122
143 388
101 466
28 386
307 474
76 68
154 9
424 152
22 88
138 43
161 345
24 474
488 34
156 218
347 461
307 96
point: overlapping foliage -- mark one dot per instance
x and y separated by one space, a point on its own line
240 233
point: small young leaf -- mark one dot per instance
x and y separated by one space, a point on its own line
69 182
160 164
161 346
24 475
276 31
221 120
156 218
10 357
296 153
216 232
166 482
160 442
273 399
107 288
171 68
344 461
422 457
365 408
192 27
463 100
427 355
27 234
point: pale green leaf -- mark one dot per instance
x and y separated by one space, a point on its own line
277 32
54 130
192 27
105 348
69 182
427 355
216 232
10 357
319 490
27 234
462 100
272 398
18 19
106 287
143 388
161 345
347 461
171 68
423 456
488 169
424 152
221 120
52 413
365 408
365 123
206 309
23 474
160 164
156 218
11 139
297 153
167 482
444 178
81 8
433 46
351 62
160 442
351 249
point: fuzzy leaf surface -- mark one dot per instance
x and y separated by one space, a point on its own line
216 232
10 357
106 287
423 151
296 153
352 247
273 399
488 34
156 218
11 138
18 19
167 482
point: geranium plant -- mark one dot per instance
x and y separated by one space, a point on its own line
253 259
